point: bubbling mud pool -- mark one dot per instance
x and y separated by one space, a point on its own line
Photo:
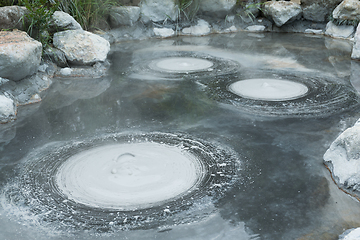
217 137
122 181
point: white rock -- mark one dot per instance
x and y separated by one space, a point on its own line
343 158
124 15
20 55
7 109
159 10
352 234
65 71
347 10
219 8
282 12
256 28
314 31
231 29
11 17
356 48
201 28
164 32
342 31
82 47
64 21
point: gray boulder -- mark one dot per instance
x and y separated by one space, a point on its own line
282 12
55 55
126 15
342 31
356 47
20 55
82 47
318 10
11 17
315 12
158 10
219 8
8 109
343 159
63 21
323 8
347 10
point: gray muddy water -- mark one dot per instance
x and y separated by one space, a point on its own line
187 138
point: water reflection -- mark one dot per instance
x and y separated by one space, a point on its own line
283 190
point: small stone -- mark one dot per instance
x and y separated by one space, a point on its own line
65 71
356 48
314 31
164 32
201 28
343 31
7 109
256 28
231 29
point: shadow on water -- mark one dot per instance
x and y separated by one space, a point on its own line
281 189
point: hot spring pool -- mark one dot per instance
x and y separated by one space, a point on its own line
216 137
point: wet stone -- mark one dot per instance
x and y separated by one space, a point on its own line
342 31
343 160
20 55
8 109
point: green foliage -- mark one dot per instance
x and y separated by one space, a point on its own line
4 3
188 8
89 13
39 17
339 22
248 9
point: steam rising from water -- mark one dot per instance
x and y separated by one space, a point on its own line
121 182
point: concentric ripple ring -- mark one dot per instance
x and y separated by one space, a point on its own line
121 181
277 93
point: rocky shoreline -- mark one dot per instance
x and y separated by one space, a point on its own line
27 69
79 53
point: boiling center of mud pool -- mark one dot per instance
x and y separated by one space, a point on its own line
129 176
269 89
181 64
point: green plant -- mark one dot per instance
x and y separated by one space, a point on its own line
188 8
88 12
248 9
4 3
339 22
38 18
